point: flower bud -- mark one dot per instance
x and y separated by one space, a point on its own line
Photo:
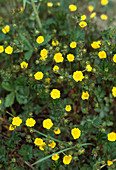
37 62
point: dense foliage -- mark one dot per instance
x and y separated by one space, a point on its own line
57 85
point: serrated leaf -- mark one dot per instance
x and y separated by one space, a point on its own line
9 100
21 99
7 86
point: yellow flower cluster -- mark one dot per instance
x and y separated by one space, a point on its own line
8 50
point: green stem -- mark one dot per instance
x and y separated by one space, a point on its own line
9 113
48 136
37 16
43 159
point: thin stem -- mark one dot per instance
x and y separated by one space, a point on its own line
48 136
37 16
9 113
61 151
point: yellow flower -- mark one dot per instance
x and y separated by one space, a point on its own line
112 136
67 159
114 91
96 44
0 101
73 45
72 7
78 76
47 80
55 43
102 54
55 93
104 2
49 4
85 95
38 141
109 163
90 8
76 133
82 24
24 64
38 75
55 68
1 49
83 150
58 3
70 57
89 68
58 58
21 9
114 58
43 52
68 108
52 144
11 127
40 39
57 131
47 123
104 17
93 15
55 157
41 146
6 29
43 58
30 122
83 17
8 50
16 121
37 94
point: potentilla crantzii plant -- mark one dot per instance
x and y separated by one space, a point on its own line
57 85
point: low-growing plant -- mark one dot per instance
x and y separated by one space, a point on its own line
57 85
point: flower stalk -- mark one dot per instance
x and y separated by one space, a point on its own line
37 16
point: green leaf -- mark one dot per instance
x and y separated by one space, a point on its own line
21 99
28 55
9 100
7 86
25 41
